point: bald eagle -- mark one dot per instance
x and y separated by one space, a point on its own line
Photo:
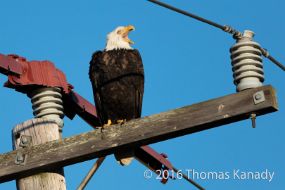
117 78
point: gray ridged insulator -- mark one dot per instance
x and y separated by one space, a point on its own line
47 103
247 62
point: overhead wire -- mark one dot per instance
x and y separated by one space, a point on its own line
226 28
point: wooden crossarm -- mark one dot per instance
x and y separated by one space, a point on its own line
138 132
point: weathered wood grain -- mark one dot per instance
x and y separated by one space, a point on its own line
41 131
135 133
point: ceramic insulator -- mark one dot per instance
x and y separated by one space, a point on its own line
47 103
247 64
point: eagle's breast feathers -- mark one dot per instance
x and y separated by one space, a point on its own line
117 78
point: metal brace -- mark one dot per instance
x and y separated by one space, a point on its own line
20 158
25 141
258 97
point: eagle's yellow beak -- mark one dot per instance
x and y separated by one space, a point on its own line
125 33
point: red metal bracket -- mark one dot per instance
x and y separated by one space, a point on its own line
9 65
156 162
24 76
33 74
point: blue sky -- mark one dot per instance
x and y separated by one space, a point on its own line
185 62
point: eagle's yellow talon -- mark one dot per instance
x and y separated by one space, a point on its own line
109 123
121 121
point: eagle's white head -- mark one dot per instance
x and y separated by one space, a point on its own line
118 39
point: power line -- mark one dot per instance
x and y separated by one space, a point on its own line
226 28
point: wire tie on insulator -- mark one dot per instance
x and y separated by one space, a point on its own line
236 34
227 29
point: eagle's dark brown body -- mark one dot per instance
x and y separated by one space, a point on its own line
117 78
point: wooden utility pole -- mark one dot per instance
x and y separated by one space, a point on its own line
35 132
138 132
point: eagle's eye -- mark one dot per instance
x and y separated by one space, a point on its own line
119 32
